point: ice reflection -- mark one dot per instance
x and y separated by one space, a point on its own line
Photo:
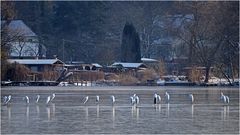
158 107
53 110
86 112
38 110
113 116
133 109
50 109
167 109
48 113
27 114
98 111
135 112
192 112
9 113
113 113
225 112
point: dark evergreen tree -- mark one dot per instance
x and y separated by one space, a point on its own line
130 48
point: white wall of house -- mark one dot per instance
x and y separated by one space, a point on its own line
27 45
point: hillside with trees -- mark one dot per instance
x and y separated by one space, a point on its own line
206 33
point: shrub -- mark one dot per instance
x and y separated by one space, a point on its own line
194 75
87 76
126 79
17 72
50 75
147 74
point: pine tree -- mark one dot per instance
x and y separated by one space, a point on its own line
130 48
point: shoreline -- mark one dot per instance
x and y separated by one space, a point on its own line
115 88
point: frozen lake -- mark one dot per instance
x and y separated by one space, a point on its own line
68 115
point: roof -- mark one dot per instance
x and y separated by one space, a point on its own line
97 65
148 60
21 27
129 65
75 62
36 61
199 67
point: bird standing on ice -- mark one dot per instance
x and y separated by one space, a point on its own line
167 97
97 98
37 98
223 98
132 100
113 99
191 98
48 100
26 99
6 99
53 96
85 100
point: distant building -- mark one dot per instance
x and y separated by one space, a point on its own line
128 65
149 60
151 63
40 65
41 69
80 66
118 67
25 43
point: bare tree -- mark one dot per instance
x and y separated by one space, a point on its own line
205 34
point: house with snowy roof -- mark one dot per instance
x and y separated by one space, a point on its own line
40 65
129 65
40 69
118 67
80 66
24 43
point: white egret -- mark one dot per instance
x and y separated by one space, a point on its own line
132 100
5 98
223 98
158 98
37 98
227 99
53 96
167 97
97 98
48 100
26 99
137 100
85 100
155 98
8 99
191 97
113 99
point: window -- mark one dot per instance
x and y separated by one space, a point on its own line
34 68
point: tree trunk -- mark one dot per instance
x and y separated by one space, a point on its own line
207 74
230 83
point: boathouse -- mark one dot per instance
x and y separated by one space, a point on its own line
41 69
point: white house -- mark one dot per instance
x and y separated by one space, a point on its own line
25 43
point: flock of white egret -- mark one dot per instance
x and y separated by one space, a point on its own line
7 99
134 100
